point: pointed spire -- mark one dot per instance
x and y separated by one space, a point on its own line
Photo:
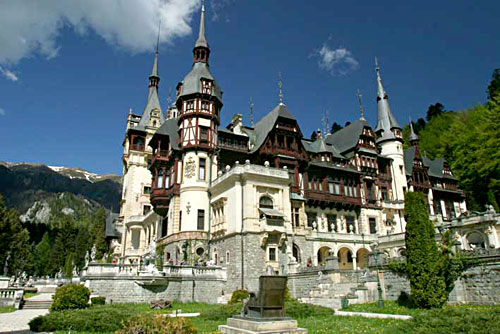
154 78
280 86
386 121
413 135
202 41
251 112
361 110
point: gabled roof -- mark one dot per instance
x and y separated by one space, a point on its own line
320 146
169 128
192 81
327 164
435 166
266 124
347 138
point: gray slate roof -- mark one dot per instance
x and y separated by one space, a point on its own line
320 146
435 166
266 124
170 128
192 81
153 102
347 138
385 119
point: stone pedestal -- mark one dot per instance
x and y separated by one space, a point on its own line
4 282
240 325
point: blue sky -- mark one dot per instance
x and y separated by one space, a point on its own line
67 82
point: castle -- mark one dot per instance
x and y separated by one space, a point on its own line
250 198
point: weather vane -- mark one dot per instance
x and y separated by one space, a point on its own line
280 85
361 110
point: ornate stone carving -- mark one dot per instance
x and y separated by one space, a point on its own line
190 168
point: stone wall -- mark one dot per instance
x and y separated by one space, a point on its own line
479 285
139 289
393 285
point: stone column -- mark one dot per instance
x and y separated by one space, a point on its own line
354 262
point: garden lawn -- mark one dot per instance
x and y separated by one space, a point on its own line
318 320
30 294
7 309
390 307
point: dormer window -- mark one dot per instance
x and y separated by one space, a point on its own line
206 87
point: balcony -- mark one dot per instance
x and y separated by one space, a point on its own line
328 198
160 198
137 147
276 150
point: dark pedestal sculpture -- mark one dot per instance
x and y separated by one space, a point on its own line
264 312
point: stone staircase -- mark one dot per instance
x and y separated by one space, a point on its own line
329 294
36 304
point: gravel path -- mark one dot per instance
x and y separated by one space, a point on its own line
17 321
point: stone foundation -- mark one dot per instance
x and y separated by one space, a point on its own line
251 326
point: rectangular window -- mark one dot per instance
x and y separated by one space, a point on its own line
337 188
201 170
332 223
384 194
159 184
272 254
167 179
373 225
146 209
311 217
164 227
203 134
350 224
355 191
320 186
331 187
147 190
201 220
180 221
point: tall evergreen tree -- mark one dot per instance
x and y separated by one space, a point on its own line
99 227
42 254
14 241
314 135
336 127
428 288
434 110
494 86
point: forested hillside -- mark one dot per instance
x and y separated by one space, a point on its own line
51 216
470 141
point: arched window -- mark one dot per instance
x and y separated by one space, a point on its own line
266 202
475 240
296 252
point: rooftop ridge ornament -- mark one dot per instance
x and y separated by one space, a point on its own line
251 112
361 110
280 85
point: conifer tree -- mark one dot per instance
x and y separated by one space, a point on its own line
428 289
99 227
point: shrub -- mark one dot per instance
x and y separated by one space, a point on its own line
221 312
97 301
404 300
158 325
238 296
70 296
100 318
428 288
297 310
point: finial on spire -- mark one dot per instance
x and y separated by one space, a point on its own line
280 85
251 112
376 64
413 135
202 5
158 38
169 98
361 110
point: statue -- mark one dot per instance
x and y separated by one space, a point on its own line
87 259
75 271
270 271
6 265
315 225
491 209
30 282
93 253
332 227
153 246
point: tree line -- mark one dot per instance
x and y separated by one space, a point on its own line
46 249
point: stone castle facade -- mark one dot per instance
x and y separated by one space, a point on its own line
250 198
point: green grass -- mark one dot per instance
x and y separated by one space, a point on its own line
390 307
30 294
318 320
7 309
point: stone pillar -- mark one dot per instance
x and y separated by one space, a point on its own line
354 262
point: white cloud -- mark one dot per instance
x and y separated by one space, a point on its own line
338 62
217 6
32 27
2 112
8 74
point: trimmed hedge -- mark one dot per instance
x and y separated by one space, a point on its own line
70 296
105 318
97 301
428 288
238 296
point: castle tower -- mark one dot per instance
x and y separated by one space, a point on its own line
198 101
390 139
136 176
